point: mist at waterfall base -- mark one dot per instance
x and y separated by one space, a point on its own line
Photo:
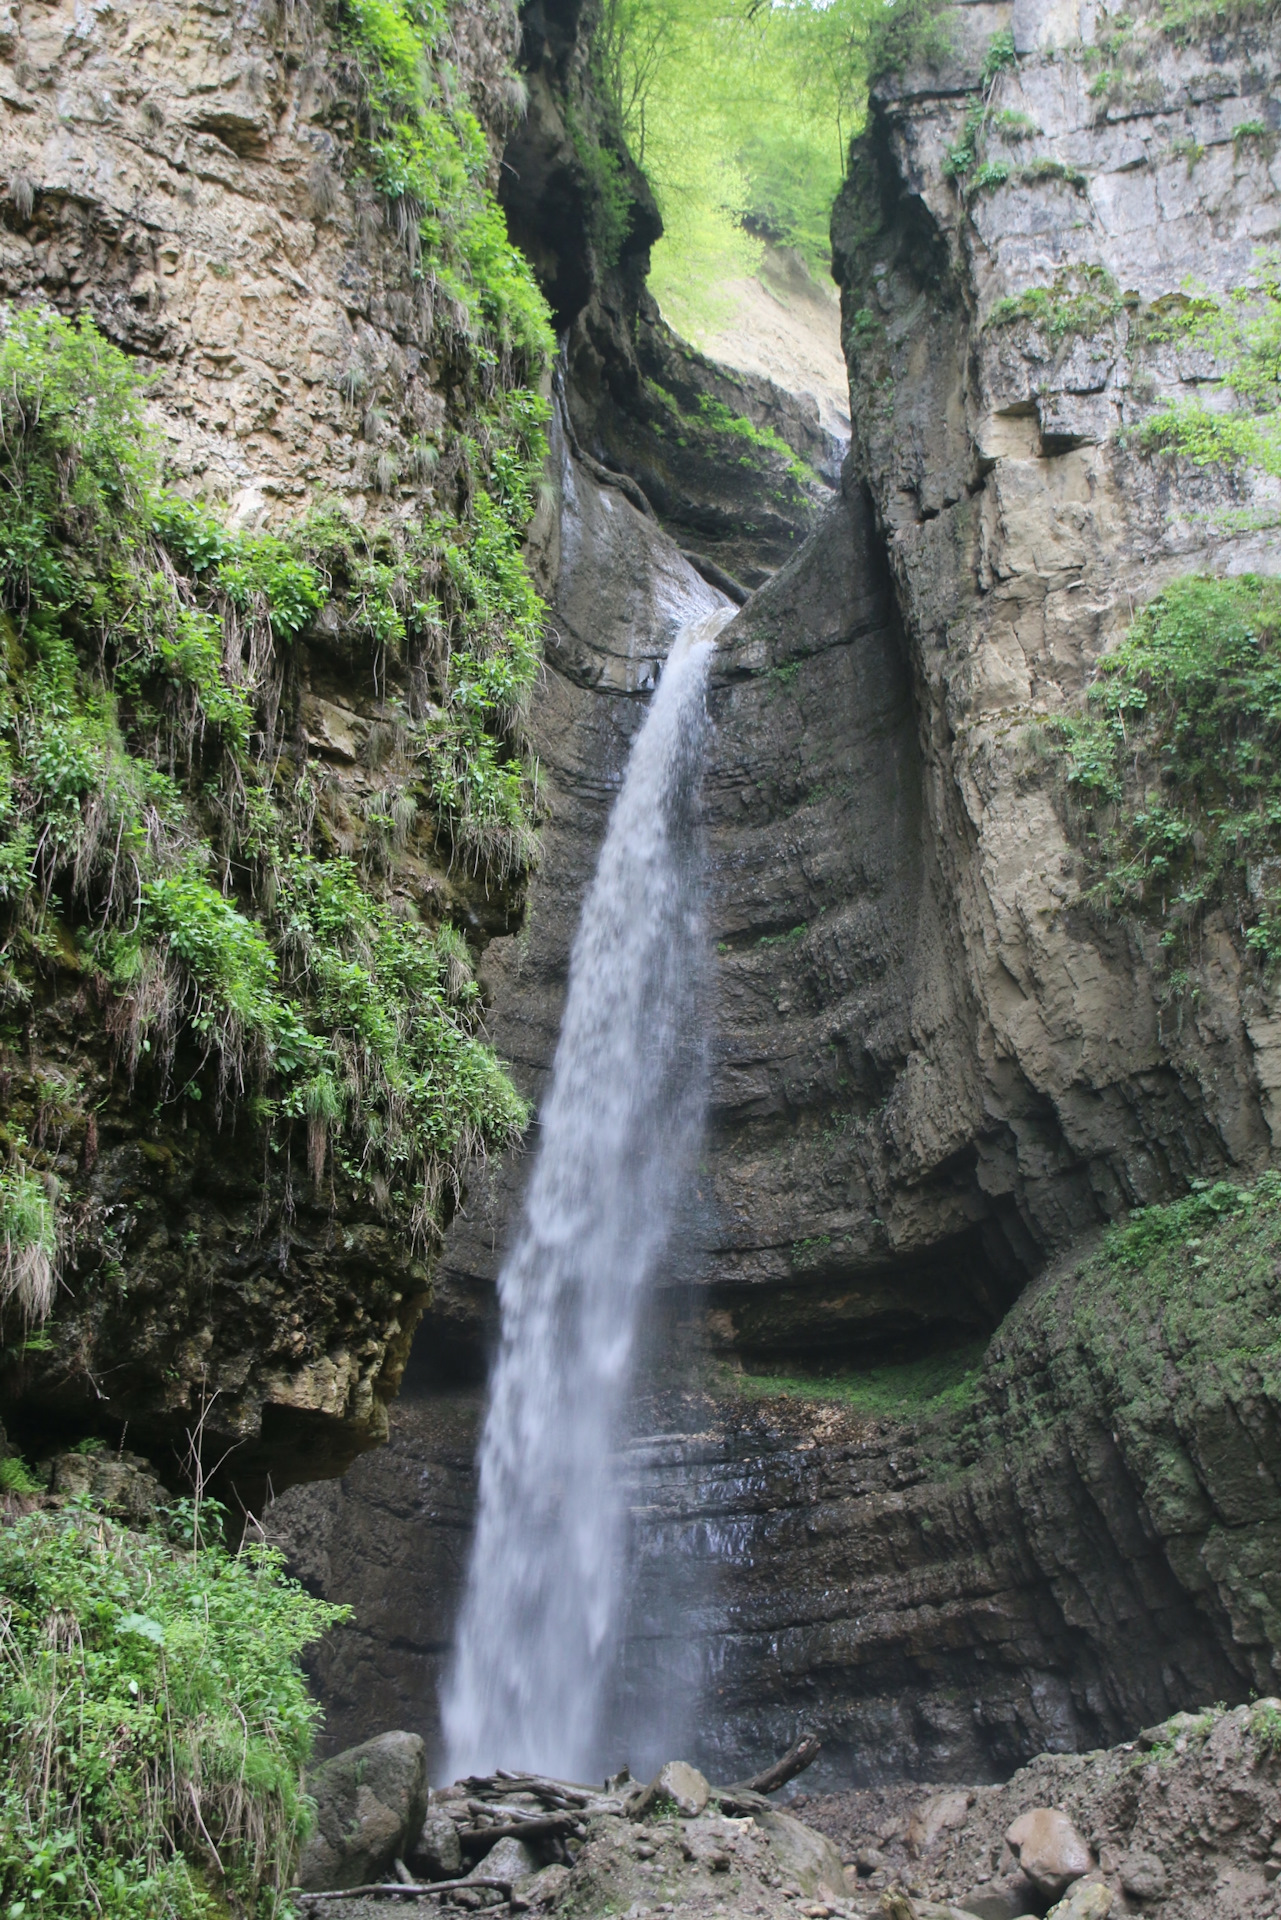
544 1602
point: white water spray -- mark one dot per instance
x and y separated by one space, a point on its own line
542 1609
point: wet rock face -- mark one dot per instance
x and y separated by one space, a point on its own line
186 181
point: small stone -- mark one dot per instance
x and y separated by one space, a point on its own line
1088 1900
1049 1849
933 1818
685 1786
868 1860
1144 1877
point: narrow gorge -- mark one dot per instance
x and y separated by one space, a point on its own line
359 490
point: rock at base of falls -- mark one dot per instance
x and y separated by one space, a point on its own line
370 1801
1182 1824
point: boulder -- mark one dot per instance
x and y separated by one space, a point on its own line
437 1853
804 1856
678 1782
370 1801
1049 1850
122 1483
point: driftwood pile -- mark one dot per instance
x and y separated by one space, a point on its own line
487 1808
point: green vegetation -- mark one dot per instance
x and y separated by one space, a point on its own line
29 1230
740 115
1193 1278
1081 302
1010 124
1243 333
964 162
1187 21
788 939
425 153
1265 1726
1251 132
1046 168
937 1383
716 415
16 1477
153 1723
912 33
1173 777
155 832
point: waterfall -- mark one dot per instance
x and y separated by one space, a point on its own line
541 1612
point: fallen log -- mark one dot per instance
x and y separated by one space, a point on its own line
537 1825
397 1887
799 1756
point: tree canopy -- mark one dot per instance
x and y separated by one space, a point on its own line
740 113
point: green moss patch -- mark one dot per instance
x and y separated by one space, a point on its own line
935 1383
1079 303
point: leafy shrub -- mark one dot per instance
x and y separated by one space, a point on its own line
1243 333
1173 773
911 33
992 174
28 1242
153 1723
999 58
16 1477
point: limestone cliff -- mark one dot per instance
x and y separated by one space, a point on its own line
199 187
939 1063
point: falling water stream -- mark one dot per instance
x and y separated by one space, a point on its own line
541 1613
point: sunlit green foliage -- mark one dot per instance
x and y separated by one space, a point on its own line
740 115
1243 333
146 803
153 1723
932 1384
1173 772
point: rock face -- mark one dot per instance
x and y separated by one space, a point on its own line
188 183
934 1073
1033 1073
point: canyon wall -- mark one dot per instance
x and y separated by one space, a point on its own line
938 1071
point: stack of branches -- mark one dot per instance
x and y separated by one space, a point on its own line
487 1808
